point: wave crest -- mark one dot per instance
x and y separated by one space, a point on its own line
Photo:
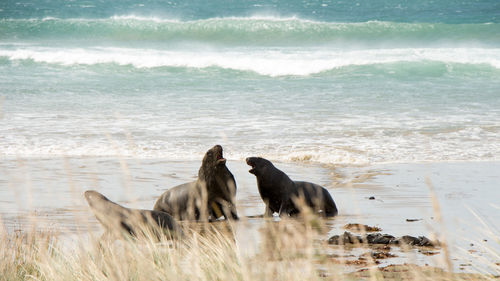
248 31
270 62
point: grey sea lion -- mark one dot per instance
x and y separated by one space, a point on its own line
211 196
118 220
285 196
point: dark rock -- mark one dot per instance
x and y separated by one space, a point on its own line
414 241
346 238
408 240
426 242
379 238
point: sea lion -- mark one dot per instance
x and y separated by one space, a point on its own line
209 197
118 220
285 196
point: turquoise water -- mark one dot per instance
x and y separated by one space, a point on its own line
324 81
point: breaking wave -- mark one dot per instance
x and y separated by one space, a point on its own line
248 31
269 62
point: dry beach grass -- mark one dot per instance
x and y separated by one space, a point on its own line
288 250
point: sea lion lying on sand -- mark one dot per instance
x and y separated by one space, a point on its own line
139 223
209 197
285 196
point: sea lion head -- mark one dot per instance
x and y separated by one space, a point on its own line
213 161
213 158
259 165
95 199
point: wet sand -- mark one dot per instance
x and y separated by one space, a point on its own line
48 193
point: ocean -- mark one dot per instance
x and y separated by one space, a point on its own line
330 82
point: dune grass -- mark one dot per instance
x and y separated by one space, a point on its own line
289 250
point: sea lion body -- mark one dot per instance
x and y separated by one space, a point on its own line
210 197
117 219
285 196
317 197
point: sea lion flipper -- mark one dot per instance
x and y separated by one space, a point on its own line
216 209
268 212
234 215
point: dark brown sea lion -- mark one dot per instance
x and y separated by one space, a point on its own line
118 220
209 197
285 196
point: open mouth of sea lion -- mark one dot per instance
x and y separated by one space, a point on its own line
251 164
219 157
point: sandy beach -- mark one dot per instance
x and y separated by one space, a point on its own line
393 197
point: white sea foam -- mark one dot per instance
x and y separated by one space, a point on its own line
256 17
391 152
271 62
187 140
142 18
